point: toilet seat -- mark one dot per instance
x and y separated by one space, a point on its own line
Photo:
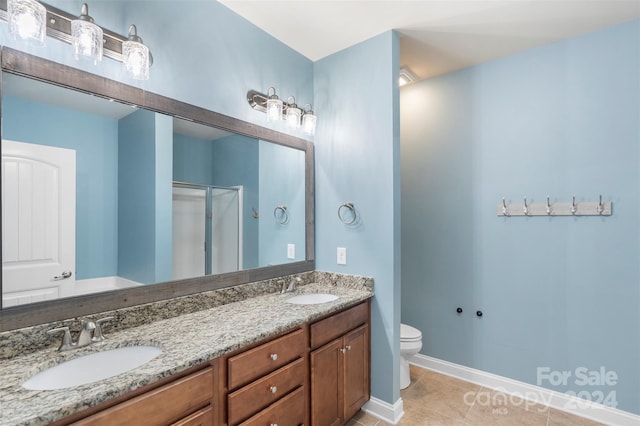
409 334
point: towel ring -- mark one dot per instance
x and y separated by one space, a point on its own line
343 209
281 215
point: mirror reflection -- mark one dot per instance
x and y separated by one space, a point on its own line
98 195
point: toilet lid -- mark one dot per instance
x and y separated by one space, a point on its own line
409 333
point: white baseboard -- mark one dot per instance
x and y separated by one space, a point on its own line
559 401
384 411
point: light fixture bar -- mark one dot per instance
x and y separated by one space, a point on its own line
258 101
59 28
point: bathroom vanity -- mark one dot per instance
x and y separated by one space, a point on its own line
258 361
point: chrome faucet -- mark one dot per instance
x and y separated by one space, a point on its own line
292 285
91 332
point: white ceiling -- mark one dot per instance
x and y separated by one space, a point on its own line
437 36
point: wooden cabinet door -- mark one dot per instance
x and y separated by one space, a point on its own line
326 384
356 370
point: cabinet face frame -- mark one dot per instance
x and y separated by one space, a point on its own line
340 367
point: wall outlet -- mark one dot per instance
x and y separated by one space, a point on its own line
291 251
342 256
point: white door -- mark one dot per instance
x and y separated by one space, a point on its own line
226 253
38 222
189 219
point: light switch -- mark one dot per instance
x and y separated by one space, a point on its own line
291 251
342 256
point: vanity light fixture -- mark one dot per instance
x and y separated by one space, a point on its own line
274 106
293 114
86 37
277 110
27 20
135 56
32 20
308 120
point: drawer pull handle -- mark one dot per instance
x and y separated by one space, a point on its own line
274 357
273 389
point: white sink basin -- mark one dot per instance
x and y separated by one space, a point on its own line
91 368
312 298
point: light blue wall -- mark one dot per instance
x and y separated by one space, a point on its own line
229 161
204 54
95 140
145 197
192 159
556 292
235 162
281 183
357 160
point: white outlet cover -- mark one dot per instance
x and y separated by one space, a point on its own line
291 251
342 256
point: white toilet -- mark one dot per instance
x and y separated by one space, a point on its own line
410 344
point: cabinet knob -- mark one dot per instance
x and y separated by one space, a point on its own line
348 347
273 389
343 350
273 356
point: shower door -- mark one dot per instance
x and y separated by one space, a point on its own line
207 230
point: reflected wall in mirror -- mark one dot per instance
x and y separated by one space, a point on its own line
99 195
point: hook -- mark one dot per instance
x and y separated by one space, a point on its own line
505 210
526 207
574 207
600 206
548 206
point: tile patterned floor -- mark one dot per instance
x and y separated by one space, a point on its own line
435 399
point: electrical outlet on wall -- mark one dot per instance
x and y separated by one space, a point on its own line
342 256
291 251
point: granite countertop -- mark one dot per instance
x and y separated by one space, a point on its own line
186 341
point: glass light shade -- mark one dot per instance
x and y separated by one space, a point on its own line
87 40
136 59
293 116
274 109
27 20
309 123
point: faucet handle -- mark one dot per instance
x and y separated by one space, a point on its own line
97 333
66 338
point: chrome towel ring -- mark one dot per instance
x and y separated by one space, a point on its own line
281 214
344 211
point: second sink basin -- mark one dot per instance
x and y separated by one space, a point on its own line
312 298
92 368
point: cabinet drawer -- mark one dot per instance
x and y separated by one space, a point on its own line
163 405
330 328
252 398
257 362
202 417
288 411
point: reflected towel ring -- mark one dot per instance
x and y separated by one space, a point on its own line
281 215
341 213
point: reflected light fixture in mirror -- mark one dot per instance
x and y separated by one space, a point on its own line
274 106
293 113
86 36
27 20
